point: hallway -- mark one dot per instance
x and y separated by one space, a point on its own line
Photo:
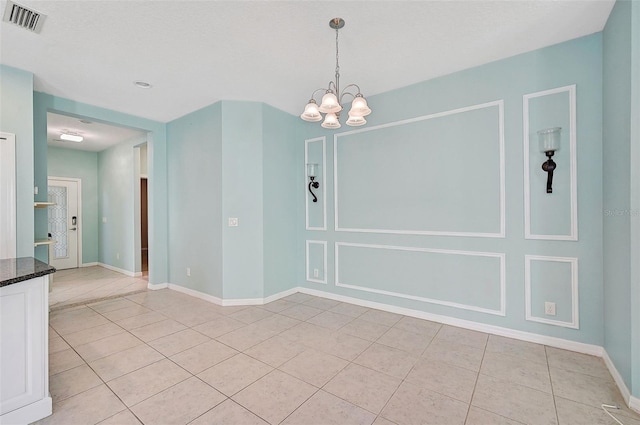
78 286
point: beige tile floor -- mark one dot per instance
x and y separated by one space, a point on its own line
162 357
76 286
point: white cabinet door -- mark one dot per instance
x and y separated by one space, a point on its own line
23 344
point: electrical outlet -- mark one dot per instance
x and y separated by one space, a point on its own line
233 222
188 271
117 256
549 308
104 219
316 273
35 190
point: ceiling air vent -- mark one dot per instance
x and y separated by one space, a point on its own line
23 17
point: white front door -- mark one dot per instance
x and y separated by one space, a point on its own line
64 222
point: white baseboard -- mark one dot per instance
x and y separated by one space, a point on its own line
95 263
632 402
156 286
594 350
225 302
259 301
626 394
196 294
30 413
119 270
275 297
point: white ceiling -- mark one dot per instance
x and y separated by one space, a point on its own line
97 136
198 52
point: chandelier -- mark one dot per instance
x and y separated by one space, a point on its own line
331 103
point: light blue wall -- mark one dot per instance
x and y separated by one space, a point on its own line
408 179
242 198
116 203
195 194
156 138
83 165
621 160
16 116
616 164
635 199
233 159
281 198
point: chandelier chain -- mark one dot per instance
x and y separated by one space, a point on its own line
337 67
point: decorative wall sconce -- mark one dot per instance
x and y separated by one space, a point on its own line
311 173
549 143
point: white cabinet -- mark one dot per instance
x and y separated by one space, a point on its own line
24 360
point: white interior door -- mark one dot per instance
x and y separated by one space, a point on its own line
64 222
7 195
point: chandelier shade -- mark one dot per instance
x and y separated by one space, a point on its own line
331 121
331 103
359 107
355 121
311 112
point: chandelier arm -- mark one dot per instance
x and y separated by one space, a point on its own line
345 92
352 85
335 88
313 95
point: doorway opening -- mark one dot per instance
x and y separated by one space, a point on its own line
141 203
144 227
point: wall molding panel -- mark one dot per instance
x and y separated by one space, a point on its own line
323 184
575 321
307 267
499 256
499 122
573 233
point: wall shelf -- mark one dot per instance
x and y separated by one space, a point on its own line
44 242
43 204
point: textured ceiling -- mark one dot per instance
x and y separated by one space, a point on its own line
198 52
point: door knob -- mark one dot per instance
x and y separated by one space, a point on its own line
73 228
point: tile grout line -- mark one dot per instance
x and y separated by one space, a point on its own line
105 382
475 384
404 379
553 396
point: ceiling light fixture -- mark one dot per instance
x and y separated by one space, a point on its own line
142 84
71 137
331 104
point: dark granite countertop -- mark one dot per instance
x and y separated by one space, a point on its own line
14 270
